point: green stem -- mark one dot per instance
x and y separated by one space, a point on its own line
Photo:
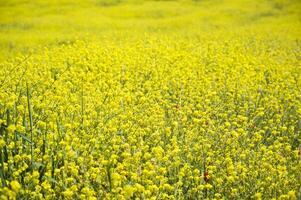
31 124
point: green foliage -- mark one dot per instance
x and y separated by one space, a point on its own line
109 2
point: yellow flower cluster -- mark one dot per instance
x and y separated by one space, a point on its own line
160 116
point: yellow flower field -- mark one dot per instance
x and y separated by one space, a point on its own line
150 99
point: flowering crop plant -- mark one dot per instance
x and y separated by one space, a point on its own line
150 99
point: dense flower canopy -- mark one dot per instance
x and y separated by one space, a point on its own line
186 100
